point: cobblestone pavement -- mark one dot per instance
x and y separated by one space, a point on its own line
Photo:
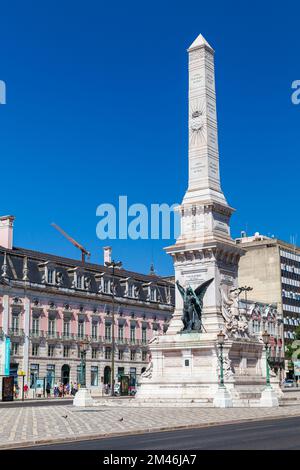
21 425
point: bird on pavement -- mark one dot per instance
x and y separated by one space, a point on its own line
65 416
121 419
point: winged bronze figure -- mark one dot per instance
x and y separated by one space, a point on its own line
193 305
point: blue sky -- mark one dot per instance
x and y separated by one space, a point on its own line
97 108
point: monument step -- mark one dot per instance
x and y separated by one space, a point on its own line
249 395
154 402
247 403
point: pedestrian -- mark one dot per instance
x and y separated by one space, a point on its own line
55 390
26 390
48 390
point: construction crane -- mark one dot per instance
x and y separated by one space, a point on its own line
74 242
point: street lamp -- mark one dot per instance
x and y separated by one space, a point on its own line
83 347
266 340
113 265
221 339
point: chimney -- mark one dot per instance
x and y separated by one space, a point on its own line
107 254
6 231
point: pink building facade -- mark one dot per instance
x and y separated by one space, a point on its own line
50 305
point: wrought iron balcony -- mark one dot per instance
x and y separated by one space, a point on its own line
107 339
82 337
52 335
122 340
68 336
16 332
95 338
36 334
134 342
276 361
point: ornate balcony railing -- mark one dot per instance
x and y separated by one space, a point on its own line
134 342
15 332
122 341
68 336
82 337
94 338
36 334
52 335
107 339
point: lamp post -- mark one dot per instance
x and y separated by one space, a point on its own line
83 349
221 338
222 398
113 265
280 364
266 340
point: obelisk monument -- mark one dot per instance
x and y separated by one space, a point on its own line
186 365
204 249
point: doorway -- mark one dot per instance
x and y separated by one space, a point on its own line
107 374
65 374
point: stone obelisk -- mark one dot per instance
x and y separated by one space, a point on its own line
204 248
186 365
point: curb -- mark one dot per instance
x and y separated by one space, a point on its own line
93 437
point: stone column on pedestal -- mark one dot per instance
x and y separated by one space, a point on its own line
204 248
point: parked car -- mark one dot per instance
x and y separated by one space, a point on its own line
288 383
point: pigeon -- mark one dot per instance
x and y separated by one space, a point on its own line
65 416
121 419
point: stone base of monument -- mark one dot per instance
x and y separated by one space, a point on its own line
222 398
185 369
269 398
83 398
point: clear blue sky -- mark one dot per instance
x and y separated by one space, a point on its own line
97 107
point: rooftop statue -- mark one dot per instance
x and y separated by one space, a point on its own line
192 306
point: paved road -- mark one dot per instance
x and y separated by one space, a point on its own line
31 403
265 435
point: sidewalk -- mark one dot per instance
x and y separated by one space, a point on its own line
27 426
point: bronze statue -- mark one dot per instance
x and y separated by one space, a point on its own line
192 306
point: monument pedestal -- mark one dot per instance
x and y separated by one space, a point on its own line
185 369
222 398
269 398
83 398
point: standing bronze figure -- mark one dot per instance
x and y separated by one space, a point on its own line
192 306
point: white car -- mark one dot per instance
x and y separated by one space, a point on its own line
288 383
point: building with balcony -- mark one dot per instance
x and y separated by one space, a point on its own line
50 305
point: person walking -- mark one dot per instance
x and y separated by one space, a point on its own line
48 390
25 390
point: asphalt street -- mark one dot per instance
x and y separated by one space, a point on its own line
280 434
31 403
